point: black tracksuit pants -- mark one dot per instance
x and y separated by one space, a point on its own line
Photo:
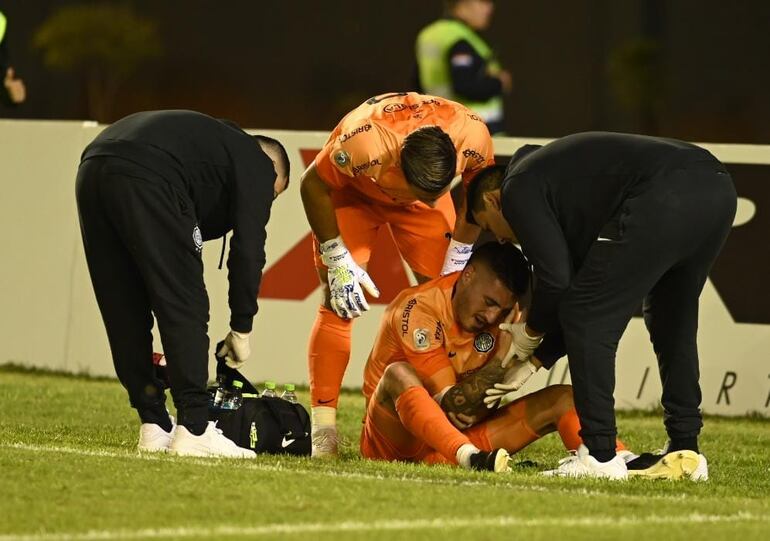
662 244
143 260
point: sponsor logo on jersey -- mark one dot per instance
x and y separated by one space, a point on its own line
438 334
364 166
397 107
405 316
483 342
197 238
421 339
394 107
361 129
472 154
475 117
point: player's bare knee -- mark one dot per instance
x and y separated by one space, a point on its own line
398 377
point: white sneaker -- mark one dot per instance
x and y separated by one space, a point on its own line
211 443
627 455
153 439
325 442
582 464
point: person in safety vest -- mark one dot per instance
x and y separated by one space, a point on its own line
455 62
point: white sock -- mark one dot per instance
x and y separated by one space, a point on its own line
464 454
323 417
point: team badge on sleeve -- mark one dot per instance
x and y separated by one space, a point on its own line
483 342
421 339
341 158
197 238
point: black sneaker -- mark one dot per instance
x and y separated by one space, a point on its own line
644 461
496 461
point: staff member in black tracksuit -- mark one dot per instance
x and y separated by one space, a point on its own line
150 189
609 220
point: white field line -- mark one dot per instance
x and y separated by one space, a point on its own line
448 523
245 464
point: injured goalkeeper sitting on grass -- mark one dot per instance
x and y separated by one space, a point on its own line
440 350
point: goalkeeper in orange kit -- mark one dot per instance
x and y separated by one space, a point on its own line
389 162
439 348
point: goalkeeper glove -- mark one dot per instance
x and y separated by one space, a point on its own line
345 280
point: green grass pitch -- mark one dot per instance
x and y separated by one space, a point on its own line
69 470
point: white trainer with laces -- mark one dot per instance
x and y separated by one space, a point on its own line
212 443
582 464
153 439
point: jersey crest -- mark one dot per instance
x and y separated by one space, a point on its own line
484 342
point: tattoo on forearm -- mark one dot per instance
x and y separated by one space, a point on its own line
467 396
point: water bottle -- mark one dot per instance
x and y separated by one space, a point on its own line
269 391
234 398
288 393
219 396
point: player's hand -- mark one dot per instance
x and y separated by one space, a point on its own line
345 280
457 255
515 377
15 87
522 344
236 349
462 421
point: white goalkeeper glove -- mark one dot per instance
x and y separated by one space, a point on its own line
515 377
457 255
345 280
522 344
236 349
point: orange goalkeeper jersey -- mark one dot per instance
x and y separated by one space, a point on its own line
363 150
419 327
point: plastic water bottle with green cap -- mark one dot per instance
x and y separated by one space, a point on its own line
234 399
269 391
288 393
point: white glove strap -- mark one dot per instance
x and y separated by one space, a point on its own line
457 256
334 253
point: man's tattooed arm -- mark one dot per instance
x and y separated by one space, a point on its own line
467 396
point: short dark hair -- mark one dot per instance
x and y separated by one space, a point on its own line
507 263
487 180
429 159
275 145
